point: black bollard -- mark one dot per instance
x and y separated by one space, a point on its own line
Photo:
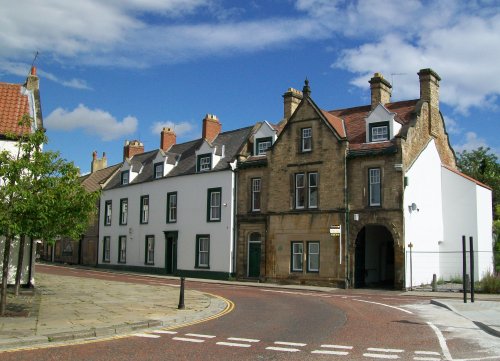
181 295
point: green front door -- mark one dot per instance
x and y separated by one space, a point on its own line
254 259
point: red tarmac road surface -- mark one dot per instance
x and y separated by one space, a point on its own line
273 324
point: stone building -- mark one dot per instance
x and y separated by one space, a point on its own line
338 190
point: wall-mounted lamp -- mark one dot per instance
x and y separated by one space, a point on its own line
413 207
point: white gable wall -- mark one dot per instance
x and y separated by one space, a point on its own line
467 211
423 226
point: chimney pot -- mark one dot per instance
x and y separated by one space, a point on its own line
291 99
429 86
380 90
211 127
167 138
132 148
98 164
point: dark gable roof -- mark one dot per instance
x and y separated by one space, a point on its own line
186 153
92 181
355 123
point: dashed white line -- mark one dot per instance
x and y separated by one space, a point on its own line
427 359
380 355
428 353
338 346
165 332
290 343
188 339
233 344
284 349
384 349
242 339
146 335
383 304
330 352
199 335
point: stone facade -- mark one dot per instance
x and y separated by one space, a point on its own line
350 166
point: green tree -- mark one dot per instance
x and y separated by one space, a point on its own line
482 165
41 198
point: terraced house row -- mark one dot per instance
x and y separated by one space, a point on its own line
331 197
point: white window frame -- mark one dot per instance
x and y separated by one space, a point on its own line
106 249
256 191
374 180
380 133
144 209
300 189
125 177
306 139
263 146
123 211
205 163
311 255
311 189
214 205
158 170
203 252
108 212
122 251
297 256
172 207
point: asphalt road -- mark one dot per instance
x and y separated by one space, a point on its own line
279 324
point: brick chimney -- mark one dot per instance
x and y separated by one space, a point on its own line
98 164
167 139
291 100
211 127
132 148
429 86
32 82
380 90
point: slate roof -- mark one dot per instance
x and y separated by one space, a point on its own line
186 153
92 182
13 105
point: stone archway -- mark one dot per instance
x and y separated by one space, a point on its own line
374 257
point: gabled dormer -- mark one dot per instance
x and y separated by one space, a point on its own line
208 156
264 138
129 171
381 125
163 163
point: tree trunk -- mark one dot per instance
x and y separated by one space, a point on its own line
5 275
20 261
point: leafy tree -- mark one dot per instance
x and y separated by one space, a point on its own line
41 198
482 164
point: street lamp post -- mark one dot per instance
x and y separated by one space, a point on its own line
410 246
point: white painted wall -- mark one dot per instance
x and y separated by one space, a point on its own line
424 226
191 220
14 254
467 211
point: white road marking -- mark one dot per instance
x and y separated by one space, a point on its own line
199 335
338 346
165 332
383 304
232 344
384 349
426 359
380 355
427 353
330 352
442 341
242 339
146 335
289 343
187 339
284 349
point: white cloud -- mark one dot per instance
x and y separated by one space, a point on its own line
72 83
180 129
452 126
93 121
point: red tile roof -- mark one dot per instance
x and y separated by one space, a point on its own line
354 120
466 176
13 105
335 122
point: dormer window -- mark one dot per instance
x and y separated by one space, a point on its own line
204 162
306 140
125 177
379 131
158 170
263 144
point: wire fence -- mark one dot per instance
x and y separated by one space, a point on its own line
421 266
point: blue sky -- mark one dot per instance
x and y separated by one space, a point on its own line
119 70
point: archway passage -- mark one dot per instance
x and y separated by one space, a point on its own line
374 258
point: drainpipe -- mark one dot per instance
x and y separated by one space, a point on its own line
346 207
234 205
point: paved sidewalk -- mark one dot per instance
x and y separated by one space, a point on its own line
65 308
